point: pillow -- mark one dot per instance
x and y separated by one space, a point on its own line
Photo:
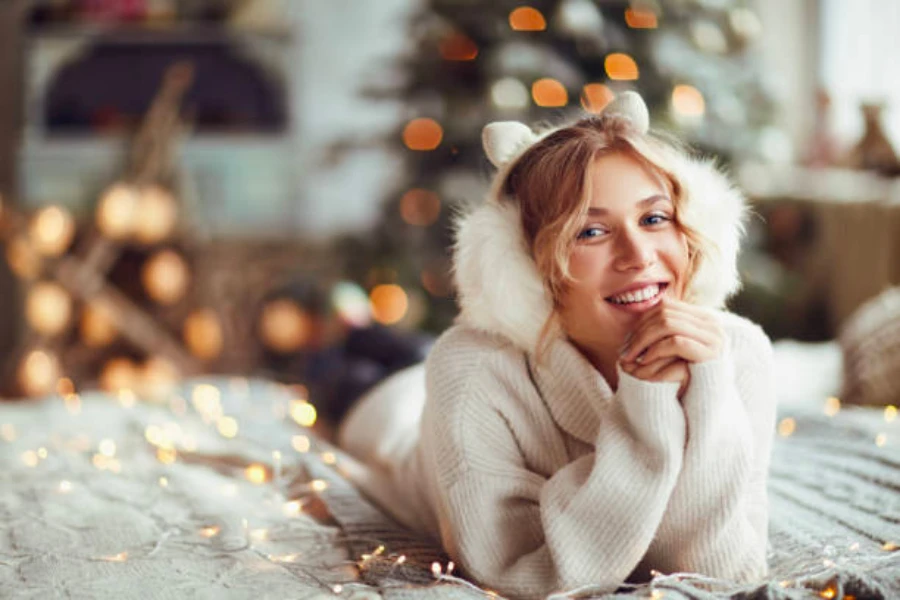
870 340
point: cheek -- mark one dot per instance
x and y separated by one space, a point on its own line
587 264
678 254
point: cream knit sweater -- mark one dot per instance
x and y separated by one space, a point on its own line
539 478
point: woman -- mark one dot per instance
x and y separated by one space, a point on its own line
592 416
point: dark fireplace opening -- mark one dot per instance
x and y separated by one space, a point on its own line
108 88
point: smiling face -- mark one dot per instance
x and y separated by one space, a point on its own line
629 252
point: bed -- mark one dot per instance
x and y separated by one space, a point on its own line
219 489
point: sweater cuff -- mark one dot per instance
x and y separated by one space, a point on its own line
712 399
651 408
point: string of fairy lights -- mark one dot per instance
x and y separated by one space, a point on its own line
172 440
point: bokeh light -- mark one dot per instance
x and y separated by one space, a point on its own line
97 327
526 18
620 67
549 92
117 211
203 334
389 303
23 259
38 373
422 134
159 376
303 413
420 207
595 97
119 373
687 102
458 46
157 214
284 326
640 18
52 230
48 308
165 276
509 93
256 473
351 304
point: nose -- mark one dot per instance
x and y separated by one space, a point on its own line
632 251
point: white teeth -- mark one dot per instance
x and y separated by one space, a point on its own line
637 296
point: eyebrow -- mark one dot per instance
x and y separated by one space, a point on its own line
648 201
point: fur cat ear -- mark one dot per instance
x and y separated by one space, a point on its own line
631 106
502 140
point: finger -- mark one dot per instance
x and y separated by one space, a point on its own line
677 346
676 373
701 316
649 371
667 325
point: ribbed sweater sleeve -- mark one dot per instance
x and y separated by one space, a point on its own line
717 520
526 535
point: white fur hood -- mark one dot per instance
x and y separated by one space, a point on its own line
500 290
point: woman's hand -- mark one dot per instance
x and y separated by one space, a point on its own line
663 369
667 338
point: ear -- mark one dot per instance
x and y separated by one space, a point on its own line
631 106
502 140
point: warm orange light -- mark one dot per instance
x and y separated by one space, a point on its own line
159 375
38 373
117 212
52 230
621 67
203 334
687 101
549 93
256 473
640 18
420 207
157 213
119 374
526 18
284 326
65 386
303 413
98 327
786 427
458 47
422 134
23 259
389 303
165 277
48 308
595 97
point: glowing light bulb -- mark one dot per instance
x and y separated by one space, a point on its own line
526 18
621 67
48 308
423 134
549 93
52 230
389 303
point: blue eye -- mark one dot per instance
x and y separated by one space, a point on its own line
591 232
655 219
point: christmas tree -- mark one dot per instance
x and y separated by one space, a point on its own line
477 61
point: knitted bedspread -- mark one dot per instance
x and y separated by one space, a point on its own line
216 492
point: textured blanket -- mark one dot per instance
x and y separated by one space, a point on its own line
218 492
